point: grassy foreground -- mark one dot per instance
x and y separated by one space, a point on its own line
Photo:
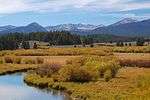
129 84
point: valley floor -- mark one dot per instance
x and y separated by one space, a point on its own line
131 82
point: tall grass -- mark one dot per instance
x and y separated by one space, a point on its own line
63 52
132 49
135 63
143 81
21 60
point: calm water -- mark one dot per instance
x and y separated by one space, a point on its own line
12 87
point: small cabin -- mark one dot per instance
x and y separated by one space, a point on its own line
31 44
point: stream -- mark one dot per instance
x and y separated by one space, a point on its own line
12 87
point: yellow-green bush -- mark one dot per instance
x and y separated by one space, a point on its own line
75 74
81 69
80 61
112 66
17 60
28 61
93 67
107 75
1 61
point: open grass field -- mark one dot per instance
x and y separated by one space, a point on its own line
134 56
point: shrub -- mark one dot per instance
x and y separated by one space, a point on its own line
12 59
8 59
76 61
108 75
82 69
81 75
1 61
95 65
48 69
75 74
102 69
17 60
40 60
28 61
113 66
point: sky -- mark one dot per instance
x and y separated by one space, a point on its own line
54 12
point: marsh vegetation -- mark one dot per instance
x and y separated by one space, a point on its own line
94 73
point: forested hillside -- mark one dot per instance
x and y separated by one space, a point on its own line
11 40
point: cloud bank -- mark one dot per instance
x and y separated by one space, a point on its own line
17 6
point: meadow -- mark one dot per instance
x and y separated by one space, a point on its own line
99 73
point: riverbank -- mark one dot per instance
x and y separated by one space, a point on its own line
129 84
14 68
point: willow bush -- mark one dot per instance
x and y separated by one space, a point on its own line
81 69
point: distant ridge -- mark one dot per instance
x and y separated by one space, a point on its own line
134 28
8 27
33 27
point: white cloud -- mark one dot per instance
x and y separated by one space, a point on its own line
15 6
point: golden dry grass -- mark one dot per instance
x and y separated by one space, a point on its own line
10 68
53 59
134 56
134 59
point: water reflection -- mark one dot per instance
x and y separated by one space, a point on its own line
12 87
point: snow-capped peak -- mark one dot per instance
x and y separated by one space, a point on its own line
124 21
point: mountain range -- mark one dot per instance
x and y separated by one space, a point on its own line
135 28
125 27
73 27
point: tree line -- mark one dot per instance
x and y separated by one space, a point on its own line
12 40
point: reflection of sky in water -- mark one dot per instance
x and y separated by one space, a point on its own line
13 88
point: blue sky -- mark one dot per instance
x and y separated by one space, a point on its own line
53 12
